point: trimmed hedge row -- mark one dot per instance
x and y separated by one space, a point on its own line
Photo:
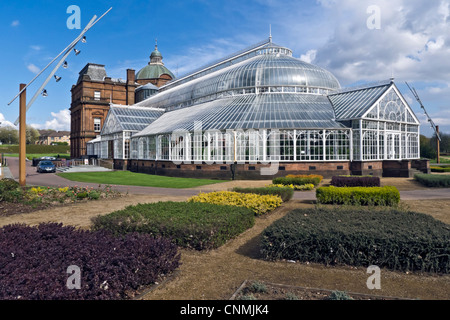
34 263
434 181
285 193
359 236
384 196
440 169
259 204
355 181
193 225
315 180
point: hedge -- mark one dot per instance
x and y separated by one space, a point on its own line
305 176
359 236
34 263
440 169
355 181
199 226
432 180
315 180
285 193
385 196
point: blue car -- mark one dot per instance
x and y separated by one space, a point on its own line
46 166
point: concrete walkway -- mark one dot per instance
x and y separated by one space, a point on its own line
51 179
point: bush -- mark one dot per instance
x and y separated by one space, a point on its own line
305 176
359 236
298 181
381 196
259 204
285 193
34 262
355 181
302 187
434 181
439 169
10 190
199 226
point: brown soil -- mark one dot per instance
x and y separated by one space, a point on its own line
217 274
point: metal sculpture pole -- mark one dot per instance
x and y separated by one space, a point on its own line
21 120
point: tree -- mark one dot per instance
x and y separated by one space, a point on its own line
9 135
32 135
426 149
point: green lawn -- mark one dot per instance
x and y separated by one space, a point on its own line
38 155
136 179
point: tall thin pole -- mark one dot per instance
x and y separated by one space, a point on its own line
22 136
438 146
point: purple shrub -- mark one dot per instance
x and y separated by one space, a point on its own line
364 181
34 262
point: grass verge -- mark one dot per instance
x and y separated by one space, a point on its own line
128 178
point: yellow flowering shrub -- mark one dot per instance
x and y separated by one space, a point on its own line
308 186
259 204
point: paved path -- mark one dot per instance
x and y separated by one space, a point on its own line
51 179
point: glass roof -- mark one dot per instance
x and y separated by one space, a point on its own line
262 111
273 66
353 103
129 118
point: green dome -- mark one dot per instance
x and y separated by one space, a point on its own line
155 68
156 53
153 71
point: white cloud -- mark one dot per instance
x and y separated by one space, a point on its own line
36 48
15 23
309 56
413 41
6 123
33 68
60 121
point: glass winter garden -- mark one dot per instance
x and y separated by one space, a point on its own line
261 105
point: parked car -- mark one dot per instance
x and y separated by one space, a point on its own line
46 166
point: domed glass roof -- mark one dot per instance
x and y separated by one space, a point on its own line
264 72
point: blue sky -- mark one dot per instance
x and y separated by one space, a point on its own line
411 42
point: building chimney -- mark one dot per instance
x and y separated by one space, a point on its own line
131 86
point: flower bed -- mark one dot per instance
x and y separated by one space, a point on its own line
284 192
194 225
259 204
10 191
359 236
303 187
384 196
298 180
433 180
355 181
35 260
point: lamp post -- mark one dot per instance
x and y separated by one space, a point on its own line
22 93
22 135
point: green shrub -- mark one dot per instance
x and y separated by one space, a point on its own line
433 180
189 224
285 194
360 236
440 169
10 190
315 180
384 196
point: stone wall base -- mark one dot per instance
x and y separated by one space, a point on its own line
236 171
